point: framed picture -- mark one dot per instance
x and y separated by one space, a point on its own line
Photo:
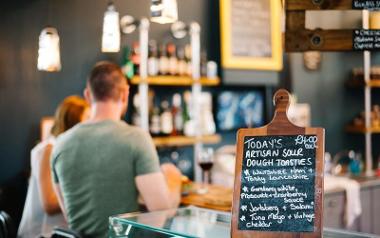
251 34
240 110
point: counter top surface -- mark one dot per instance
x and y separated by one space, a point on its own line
188 222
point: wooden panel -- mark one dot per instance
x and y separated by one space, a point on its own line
318 5
321 40
334 210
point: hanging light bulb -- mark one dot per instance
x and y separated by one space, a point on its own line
49 58
111 30
164 11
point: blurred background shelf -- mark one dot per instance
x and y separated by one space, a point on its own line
362 130
355 83
167 141
176 81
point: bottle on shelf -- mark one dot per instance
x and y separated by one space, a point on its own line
177 115
163 61
188 59
182 64
155 122
203 63
136 119
166 119
135 57
127 65
173 61
153 62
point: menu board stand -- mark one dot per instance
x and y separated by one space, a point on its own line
278 188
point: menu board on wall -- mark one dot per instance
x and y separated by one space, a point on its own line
278 179
251 34
251 28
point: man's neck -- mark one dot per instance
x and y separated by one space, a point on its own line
101 111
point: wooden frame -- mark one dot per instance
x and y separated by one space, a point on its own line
281 125
259 63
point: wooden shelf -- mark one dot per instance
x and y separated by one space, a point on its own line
168 141
373 83
176 81
362 130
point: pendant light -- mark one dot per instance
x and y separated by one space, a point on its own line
111 30
49 58
164 11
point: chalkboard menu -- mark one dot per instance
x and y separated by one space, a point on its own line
366 4
278 189
366 39
277 183
251 28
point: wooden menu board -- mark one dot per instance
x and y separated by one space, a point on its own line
278 188
251 34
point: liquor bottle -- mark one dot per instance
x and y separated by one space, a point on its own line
188 59
155 122
153 63
136 119
186 117
173 61
163 61
203 63
135 57
177 115
127 65
166 119
182 64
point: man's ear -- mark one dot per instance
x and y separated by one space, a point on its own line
87 95
125 94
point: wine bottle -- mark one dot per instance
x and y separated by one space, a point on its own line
127 65
166 119
173 61
153 62
182 64
177 115
135 57
163 61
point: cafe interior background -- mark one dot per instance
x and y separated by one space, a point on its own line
28 94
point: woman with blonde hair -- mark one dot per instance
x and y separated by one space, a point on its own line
42 212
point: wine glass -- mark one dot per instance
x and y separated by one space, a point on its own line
205 161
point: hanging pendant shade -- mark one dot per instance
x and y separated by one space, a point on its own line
111 30
164 11
49 58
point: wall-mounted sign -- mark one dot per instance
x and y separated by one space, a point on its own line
366 40
366 4
279 179
251 34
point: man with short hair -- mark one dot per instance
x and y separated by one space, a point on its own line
100 167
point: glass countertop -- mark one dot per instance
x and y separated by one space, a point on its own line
189 222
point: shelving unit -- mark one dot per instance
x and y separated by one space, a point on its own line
169 141
175 81
195 82
368 84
